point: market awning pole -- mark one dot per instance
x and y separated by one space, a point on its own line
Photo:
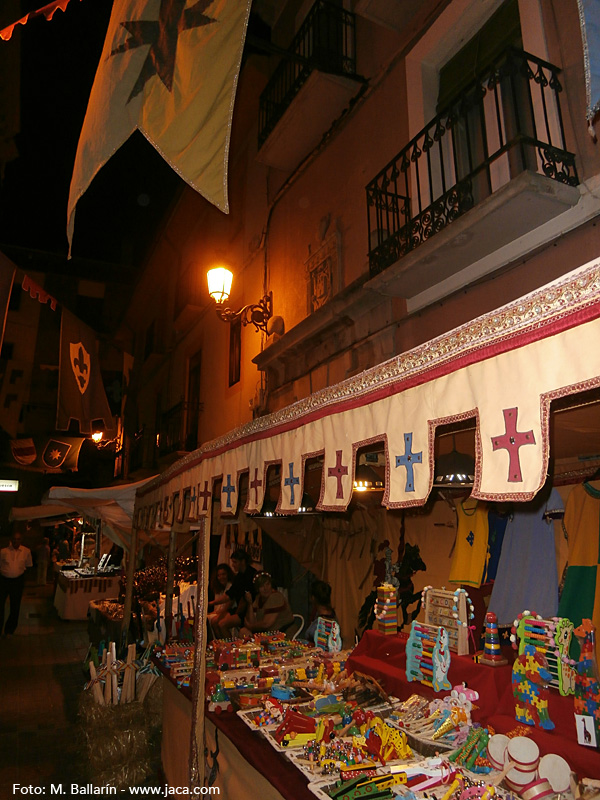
129 587
170 582
197 757
97 547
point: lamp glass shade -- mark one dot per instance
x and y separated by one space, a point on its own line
454 470
366 479
219 283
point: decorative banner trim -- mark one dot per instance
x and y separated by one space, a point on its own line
517 358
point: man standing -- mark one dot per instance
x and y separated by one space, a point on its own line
14 560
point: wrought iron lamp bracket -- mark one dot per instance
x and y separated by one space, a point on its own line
256 313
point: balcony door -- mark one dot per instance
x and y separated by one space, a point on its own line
484 124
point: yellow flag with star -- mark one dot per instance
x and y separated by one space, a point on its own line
169 68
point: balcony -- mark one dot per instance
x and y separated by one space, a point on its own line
310 88
179 430
488 169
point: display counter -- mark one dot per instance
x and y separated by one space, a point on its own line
384 658
248 765
74 592
247 760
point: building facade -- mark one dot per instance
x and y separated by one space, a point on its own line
395 170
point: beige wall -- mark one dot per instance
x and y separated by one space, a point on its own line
277 219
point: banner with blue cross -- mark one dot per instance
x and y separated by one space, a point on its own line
292 483
230 487
499 373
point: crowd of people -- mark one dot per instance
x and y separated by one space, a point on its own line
243 601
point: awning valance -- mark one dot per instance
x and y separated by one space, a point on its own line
45 514
112 505
501 370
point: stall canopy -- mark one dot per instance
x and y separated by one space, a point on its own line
501 372
112 505
46 515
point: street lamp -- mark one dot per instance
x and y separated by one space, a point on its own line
219 288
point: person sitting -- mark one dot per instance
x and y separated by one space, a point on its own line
237 605
270 611
219 585
321 599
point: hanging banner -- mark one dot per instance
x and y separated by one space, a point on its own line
46 453
589 17
170 72
46 11
81 393
7 276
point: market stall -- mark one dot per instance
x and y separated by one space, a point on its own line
76 589
501 372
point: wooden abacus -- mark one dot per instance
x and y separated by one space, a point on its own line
428 655
552 638
448 609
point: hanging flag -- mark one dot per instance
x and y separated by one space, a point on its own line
589 17
7 276
81 393
47 11
168 68
37 293
46 453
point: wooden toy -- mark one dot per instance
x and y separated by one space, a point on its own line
530 678
428 656
451 610
492 654
386 609
556 771
551 637
295 722
328 635
587 687
231 654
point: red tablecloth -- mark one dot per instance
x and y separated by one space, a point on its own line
384 658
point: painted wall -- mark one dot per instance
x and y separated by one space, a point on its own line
277 220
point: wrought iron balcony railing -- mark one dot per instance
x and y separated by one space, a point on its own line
326 41
179 428
507 121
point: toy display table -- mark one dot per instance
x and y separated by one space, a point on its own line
247 766
74 592
246 759
384 658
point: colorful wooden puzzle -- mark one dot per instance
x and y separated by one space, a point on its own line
530 678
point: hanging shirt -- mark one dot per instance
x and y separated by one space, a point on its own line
497 527
470 549
527 576
580 598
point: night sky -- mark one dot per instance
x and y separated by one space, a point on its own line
116 217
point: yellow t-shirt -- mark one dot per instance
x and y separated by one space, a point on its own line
471 546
